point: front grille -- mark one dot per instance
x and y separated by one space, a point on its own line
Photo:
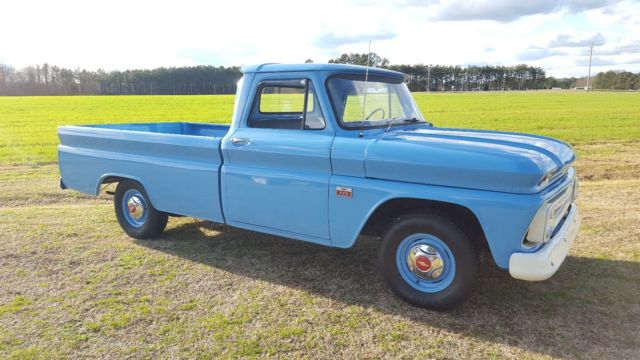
550 216
559 207
561 222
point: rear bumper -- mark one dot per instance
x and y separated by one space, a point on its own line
542 264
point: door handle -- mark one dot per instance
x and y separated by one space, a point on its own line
240 141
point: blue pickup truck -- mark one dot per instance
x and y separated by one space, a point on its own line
325 153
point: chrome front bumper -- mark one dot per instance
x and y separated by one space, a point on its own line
542 264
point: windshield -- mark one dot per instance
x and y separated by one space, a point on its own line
388 101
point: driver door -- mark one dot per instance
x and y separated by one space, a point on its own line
278 169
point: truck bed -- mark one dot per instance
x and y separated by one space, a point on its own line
170 159
174 128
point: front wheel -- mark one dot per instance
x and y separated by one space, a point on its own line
428 261
137 217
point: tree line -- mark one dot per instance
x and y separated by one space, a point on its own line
460 78
472 78
46 79
53 80
617 80
489 77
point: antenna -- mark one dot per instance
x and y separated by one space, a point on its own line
364 101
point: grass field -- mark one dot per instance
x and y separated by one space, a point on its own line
28 124
73 285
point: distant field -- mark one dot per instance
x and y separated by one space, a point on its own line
28 124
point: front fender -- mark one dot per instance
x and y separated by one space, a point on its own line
504 217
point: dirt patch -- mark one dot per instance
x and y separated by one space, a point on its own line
609 161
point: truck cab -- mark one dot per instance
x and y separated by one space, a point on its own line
324 153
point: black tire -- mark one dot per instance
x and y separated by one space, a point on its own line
461 284
149 227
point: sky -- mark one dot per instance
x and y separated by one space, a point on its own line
115 34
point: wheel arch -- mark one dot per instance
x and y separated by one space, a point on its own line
111 178
389 210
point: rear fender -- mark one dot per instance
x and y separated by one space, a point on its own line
116 177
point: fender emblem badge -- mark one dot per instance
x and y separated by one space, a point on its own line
344 192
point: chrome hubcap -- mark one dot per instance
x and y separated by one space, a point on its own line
136 208
425 262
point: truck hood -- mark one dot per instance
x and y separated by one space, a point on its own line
474 159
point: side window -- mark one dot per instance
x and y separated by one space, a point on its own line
280 99
281 105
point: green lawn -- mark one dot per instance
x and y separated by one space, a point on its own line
73 285
575 117
28 124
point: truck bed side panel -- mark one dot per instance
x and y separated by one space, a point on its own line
179 172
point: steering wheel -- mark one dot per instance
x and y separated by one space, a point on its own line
375 111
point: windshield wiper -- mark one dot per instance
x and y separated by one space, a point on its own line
415 120
411 120
403 119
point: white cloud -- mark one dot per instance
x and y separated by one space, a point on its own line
565 40
510 10
145 34
537 53
330 40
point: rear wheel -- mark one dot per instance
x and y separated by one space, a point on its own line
137 217
428 261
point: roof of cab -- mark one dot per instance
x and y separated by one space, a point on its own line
353 69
